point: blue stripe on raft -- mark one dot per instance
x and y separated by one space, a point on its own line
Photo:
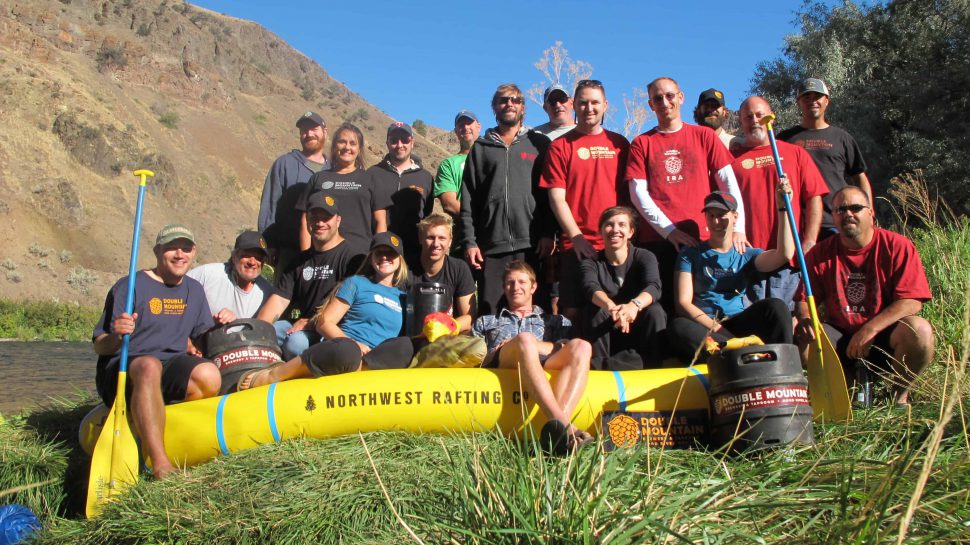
220 429
271 413
707 385
620 390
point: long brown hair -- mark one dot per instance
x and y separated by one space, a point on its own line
348 127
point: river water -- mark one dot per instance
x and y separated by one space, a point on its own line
31 373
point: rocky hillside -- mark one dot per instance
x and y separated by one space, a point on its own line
93 89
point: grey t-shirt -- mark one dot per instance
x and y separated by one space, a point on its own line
551 131
222 292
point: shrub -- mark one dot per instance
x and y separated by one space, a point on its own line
169 119
111 57
81 279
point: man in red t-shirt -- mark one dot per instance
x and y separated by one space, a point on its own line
583 172
669 172
754 165
871 284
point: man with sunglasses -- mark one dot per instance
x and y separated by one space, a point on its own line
558 105
754 165
670 172
834 151
583 172
872 285
502 208
409 185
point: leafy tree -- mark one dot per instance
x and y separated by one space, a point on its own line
899 74
419 127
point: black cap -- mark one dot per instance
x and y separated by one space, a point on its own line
721 201
711 94
250 240
388 238
399 126
813 85
312 117
324 201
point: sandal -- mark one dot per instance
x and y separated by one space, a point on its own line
248 378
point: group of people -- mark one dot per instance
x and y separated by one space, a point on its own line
576 250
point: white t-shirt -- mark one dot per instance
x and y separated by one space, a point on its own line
222 292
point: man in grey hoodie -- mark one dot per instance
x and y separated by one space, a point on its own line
503 210
279 221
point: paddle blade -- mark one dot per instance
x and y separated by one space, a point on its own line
826 383
114 462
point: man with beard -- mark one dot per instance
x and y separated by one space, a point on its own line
447 182
306 283
558 105
409 185
235 287
711 112
670 170
754 165
834 151
279 220
163 365
502 206
584 175
872 285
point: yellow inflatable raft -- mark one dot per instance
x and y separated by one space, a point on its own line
660 406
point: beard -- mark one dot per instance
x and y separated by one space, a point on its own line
758 133
714 121
510 120
312 145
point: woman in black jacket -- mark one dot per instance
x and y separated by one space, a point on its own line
623 283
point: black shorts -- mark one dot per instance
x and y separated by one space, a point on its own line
176 372
492 359
880 352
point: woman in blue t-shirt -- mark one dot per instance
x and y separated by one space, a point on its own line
712 277
360 322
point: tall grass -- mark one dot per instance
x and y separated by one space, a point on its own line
890 476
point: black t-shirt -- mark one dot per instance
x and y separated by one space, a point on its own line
836 154
357 196
638 274
312 275
408 206
456 277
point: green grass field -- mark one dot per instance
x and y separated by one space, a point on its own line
891 476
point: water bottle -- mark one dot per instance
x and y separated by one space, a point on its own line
863 386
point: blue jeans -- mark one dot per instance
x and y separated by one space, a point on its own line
295 343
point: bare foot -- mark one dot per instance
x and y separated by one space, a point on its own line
161 471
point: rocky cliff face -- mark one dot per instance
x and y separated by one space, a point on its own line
93 89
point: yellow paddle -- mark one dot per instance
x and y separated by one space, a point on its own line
826 381
114 462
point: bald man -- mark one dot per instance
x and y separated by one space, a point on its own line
754 165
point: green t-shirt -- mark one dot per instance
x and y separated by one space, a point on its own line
449 175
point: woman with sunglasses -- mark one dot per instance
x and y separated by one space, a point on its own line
711 280
363 204
360 322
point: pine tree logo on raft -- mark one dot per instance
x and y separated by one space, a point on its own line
673 429
624 431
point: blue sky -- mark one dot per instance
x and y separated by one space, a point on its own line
428 60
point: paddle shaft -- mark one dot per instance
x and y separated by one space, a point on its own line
132 269
816 324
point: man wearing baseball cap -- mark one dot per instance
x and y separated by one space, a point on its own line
711 112
235 289
408 183
163 365
447 182
306 283
834 151
557 102
279 221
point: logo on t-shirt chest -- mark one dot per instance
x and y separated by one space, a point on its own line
318 273
344 186
392 304
596 152
758 162
855 293
168 306
673 164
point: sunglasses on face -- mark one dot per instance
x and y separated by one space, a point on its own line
846 208
506 100
659 98
401 139
558 99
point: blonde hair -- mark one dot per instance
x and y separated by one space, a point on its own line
435 220
367 269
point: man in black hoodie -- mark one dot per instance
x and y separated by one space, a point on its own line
503 211
401 175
